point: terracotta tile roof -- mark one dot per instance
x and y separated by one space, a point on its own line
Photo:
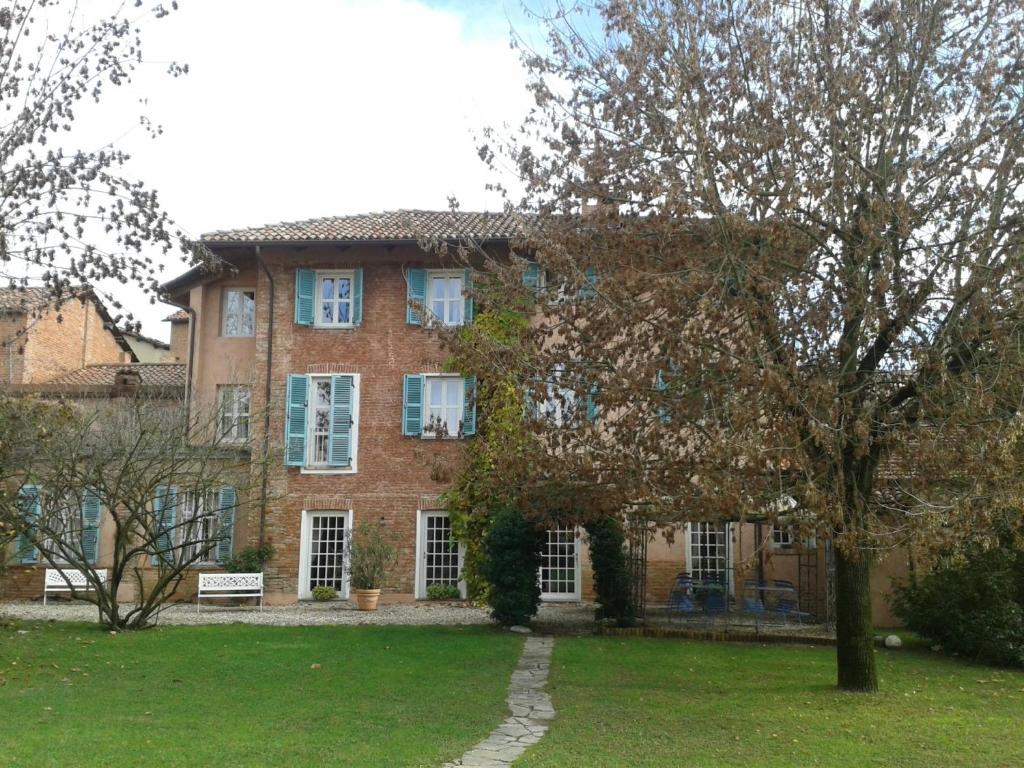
181 316
388 226
151 374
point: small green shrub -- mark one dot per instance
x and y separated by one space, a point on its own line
323 594
513 548
372 554
442 592
250 559
611 570
972 605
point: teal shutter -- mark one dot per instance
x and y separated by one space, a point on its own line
357 296
589 288
165 507
305 296
90 526
469 406
412 405
591 405
226 504
531 276
295 420
416 293
467 286
29 507
339 450
662 386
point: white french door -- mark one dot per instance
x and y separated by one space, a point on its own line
439 557
560 566
708 552
324 538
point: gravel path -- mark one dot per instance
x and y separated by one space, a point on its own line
565 617
299 615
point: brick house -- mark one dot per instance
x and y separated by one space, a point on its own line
40 341
303 336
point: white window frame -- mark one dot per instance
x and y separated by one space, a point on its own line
460 382
305 592
728 553
781 536
561 403
187 510
447 274
309 468
343 274
565 597
236 415
224 312
71 515
420 577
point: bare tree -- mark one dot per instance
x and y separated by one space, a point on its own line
162 478
69 216
802 275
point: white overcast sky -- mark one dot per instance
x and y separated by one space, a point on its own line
299 109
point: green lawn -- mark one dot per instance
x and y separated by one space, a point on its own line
645 702
71 695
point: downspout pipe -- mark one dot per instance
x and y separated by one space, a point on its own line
267 391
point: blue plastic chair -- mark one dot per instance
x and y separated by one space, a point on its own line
787 603
680 598
752 602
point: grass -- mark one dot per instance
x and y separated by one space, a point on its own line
649 702
243 695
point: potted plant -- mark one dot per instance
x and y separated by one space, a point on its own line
371 557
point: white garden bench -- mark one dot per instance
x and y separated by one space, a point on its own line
230 585
66 580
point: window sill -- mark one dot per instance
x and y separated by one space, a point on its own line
344 327
327 471
432 439
238 336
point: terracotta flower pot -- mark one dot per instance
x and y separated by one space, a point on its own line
366 599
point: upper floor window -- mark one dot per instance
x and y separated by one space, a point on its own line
329 299
438 406
444 297
322 421
233 407
441 294
334 298
239 312
782 536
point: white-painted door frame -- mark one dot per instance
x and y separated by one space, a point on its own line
728 554
306 541
566 597
420 578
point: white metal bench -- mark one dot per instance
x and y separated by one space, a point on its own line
230 585
66 580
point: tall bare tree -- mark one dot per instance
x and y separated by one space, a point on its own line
70 215
802 276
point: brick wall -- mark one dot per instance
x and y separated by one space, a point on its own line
77 339
11 348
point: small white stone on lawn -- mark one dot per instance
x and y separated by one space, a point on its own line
893 641
518 628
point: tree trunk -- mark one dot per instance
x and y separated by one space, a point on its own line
855 648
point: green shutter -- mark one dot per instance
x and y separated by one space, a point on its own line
339 449
165 507
357 296
531 276
467 286
589 288
90 526
29 507
412 405
295 420
416 293
226 504
469 406
305 296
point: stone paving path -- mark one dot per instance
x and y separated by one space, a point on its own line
530 707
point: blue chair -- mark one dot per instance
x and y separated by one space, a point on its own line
787 602
680 598
752 602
